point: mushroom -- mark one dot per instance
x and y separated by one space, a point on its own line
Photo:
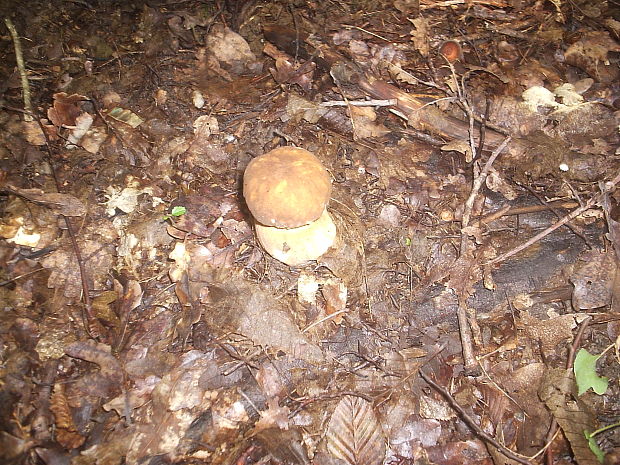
287 191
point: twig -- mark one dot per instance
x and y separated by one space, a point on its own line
29 116
19 58
574 228
467 322
471 423
589 204
553 428
605 189
90 317
325 318
359 103
348 26
9 281
469 204
346 100
511 211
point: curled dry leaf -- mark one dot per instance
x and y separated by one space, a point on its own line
66 431
66 109
354 434
99 354
62 204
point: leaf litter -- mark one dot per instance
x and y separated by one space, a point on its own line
442 325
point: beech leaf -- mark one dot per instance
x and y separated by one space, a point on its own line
354 434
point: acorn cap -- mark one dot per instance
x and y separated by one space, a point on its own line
287 187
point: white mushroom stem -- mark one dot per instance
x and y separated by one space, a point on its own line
297 246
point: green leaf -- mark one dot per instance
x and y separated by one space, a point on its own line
585 373
178 211
596 450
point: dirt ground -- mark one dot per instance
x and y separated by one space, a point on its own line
466 309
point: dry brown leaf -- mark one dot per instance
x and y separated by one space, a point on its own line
66 431
549 332
66 109
62 204
96 244
231 51
590 53
98 353
558 392
594 280
364 123
419 36
354 434
335 294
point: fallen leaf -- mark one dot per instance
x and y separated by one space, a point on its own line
354 434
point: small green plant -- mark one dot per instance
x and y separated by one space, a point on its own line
600 455
586 378
175 212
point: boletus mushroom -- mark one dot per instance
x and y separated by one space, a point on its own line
287 191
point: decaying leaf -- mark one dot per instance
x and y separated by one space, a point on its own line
354 434
125 116
63 204
66 431
558 392
594 280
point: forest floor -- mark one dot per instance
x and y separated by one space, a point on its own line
467 312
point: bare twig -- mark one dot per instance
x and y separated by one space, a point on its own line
471 423
574 228
595 199
359 103
29 116
467 322
19 58
511 211
589 204
90 317
479 181
9 281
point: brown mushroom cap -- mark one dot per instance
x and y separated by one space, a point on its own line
287 187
